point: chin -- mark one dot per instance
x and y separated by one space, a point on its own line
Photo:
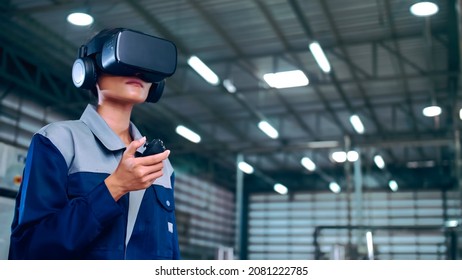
128 99
137 97
135 100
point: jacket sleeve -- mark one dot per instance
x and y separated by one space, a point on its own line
176 246
47 224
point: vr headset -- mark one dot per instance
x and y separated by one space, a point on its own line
124 52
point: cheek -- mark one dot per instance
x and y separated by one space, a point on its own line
146 89
131 92
107 86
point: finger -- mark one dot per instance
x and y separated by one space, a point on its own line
153 176
134 145
154 159
143 171
149 179
149 169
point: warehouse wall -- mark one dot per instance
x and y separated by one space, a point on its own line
205 216
282 227
11 164
6 216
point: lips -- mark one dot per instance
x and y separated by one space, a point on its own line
135 82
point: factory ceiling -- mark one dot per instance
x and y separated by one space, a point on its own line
387 65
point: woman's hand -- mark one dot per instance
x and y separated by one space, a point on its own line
135 173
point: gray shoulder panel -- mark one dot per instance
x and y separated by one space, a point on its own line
61 135
79 147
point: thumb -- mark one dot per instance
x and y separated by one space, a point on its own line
134 145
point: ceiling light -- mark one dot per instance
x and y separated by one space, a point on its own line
229 86
308 164
295 78
268 129
339 156
334 187
352 156
245 167
80 19
460 114
203 70
424 9
432 111
188 134
320 57
393 185
281 189
378 160
451 223
357 124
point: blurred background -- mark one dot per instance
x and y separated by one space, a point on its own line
322 129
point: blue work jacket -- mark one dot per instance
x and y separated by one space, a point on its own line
64 209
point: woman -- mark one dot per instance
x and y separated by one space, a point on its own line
85 195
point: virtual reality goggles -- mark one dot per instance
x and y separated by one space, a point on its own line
124 52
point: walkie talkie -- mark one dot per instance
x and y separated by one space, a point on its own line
156 146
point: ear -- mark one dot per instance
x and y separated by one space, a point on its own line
98 90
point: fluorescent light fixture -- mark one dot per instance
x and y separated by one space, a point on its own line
203 70
245 167
229 86
357 124
281 189
370 245
334 187
320 57
451 223
352 156
420 164
80 19
188 134
308 164
287 79
432 111
378 160
339 156
424 9
393 185
323 144
268 129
